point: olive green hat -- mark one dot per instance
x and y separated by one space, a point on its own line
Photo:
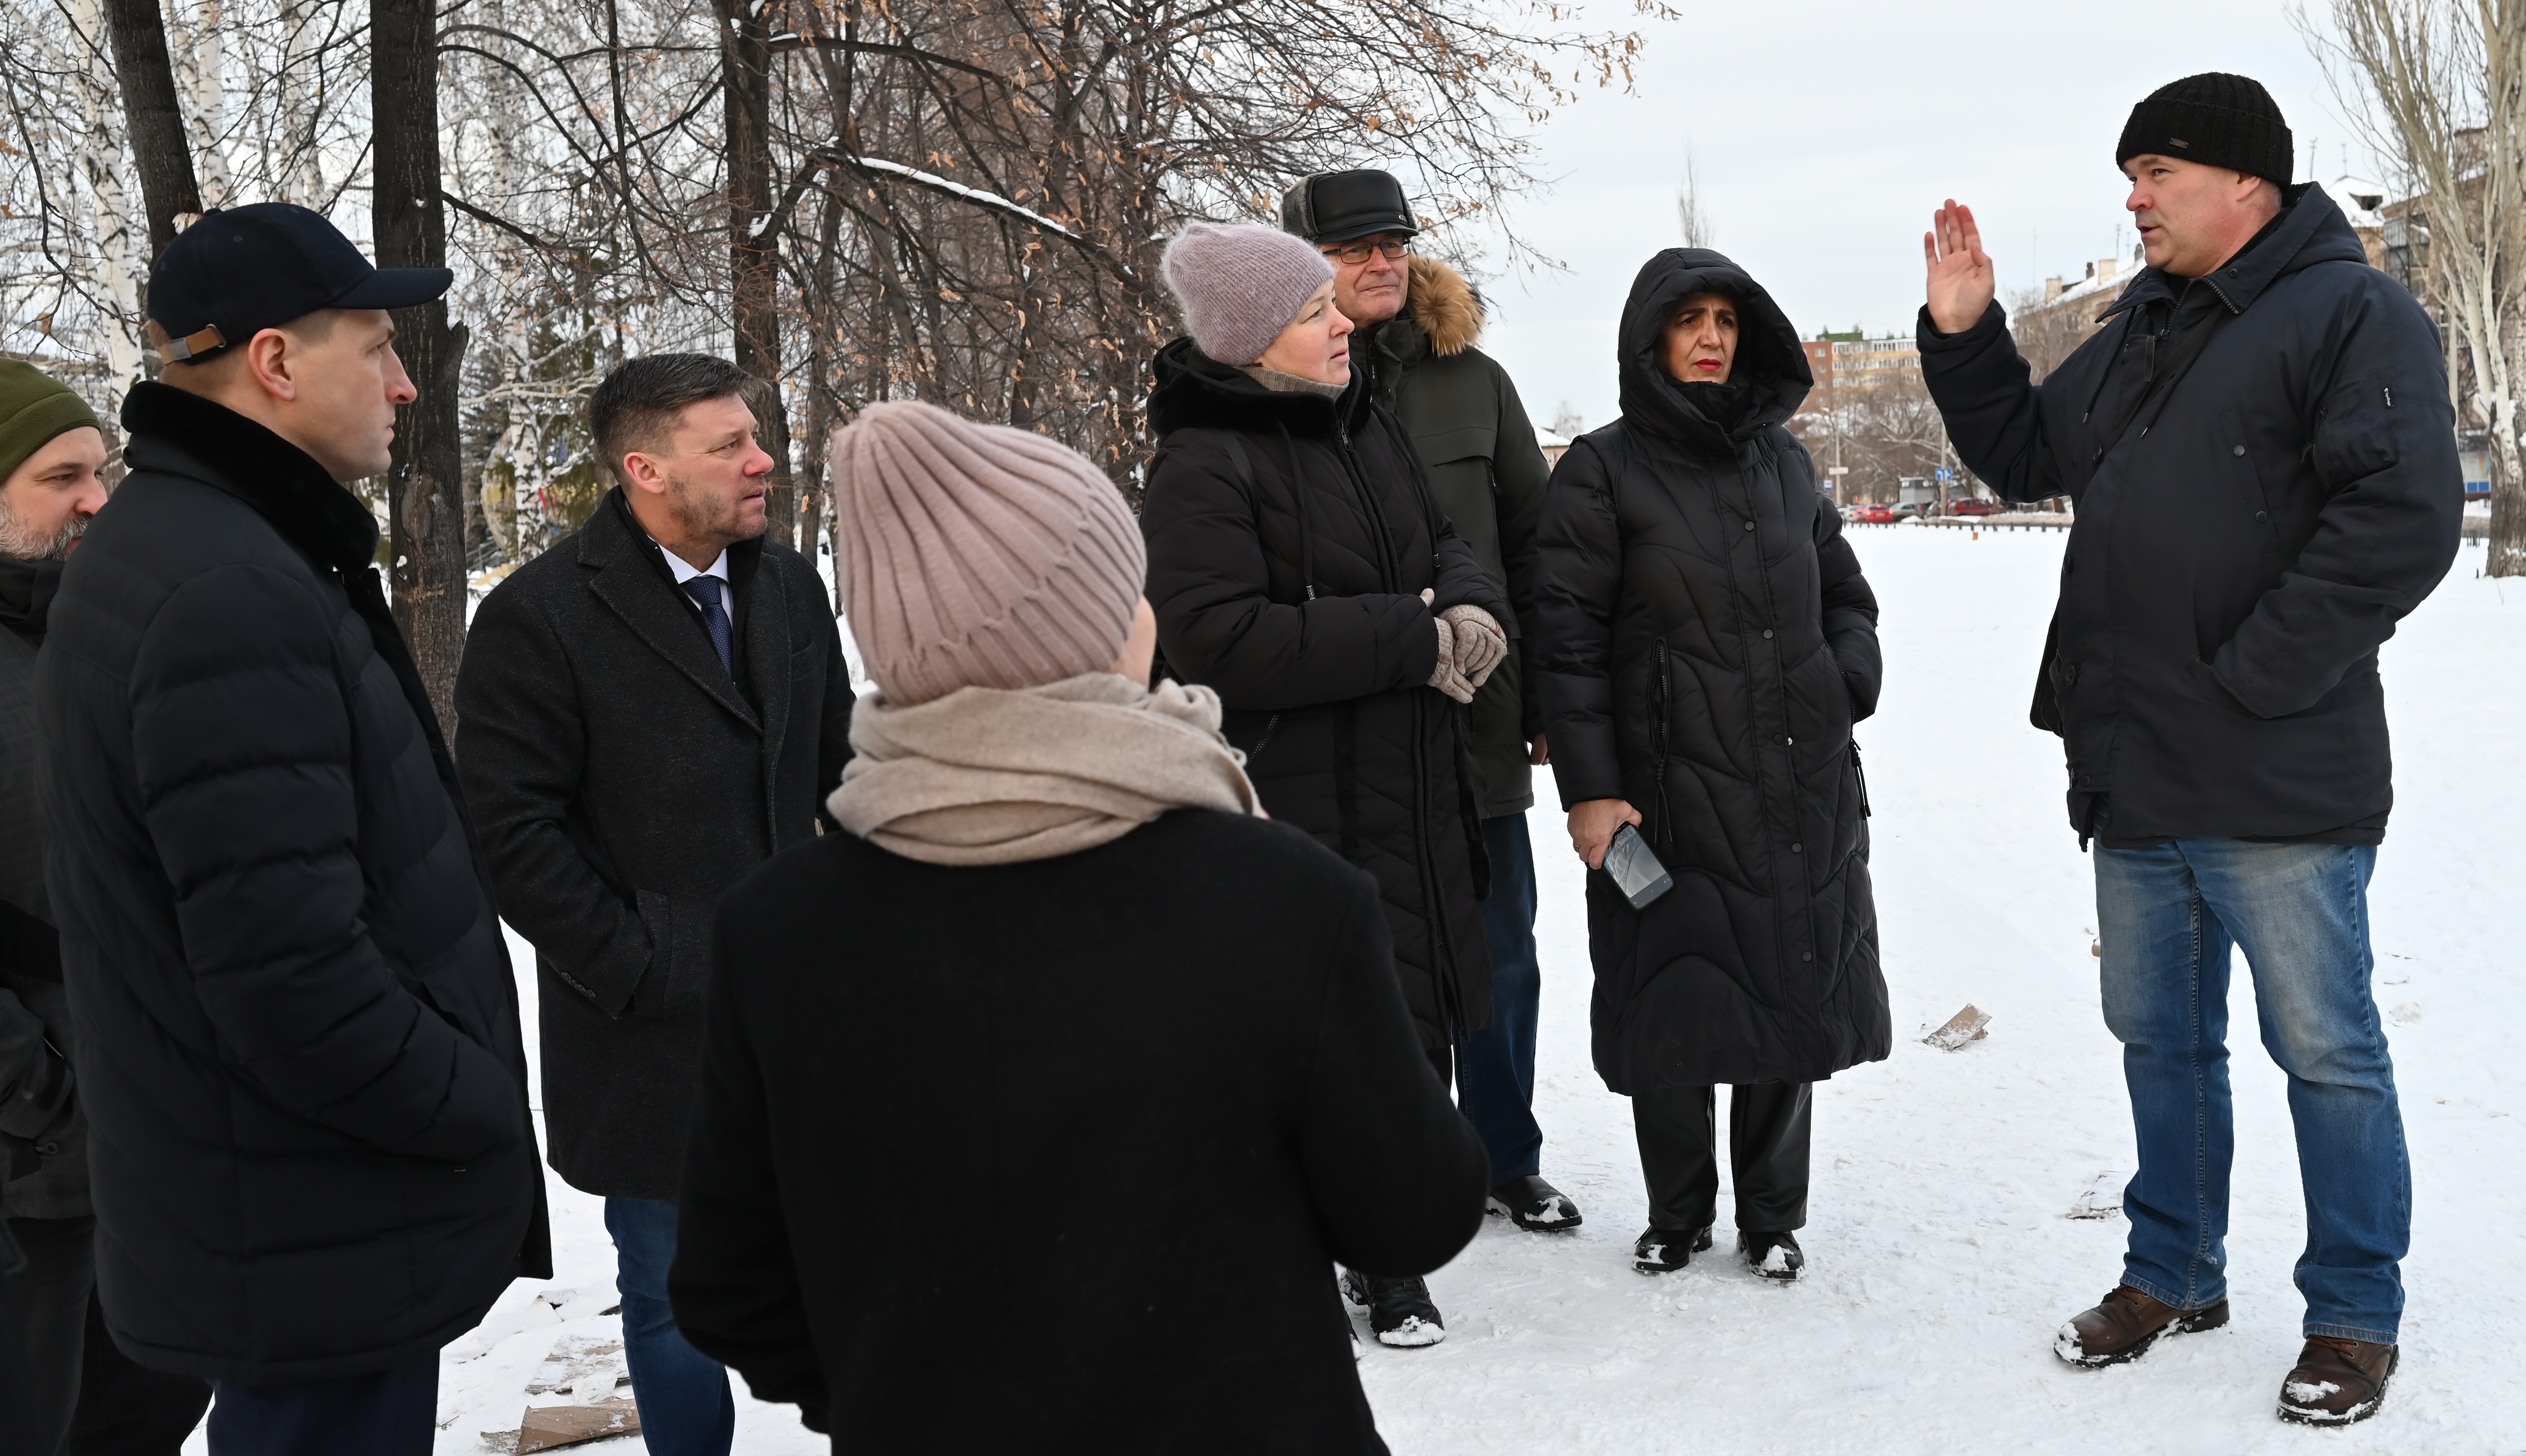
34 407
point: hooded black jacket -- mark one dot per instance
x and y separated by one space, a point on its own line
299 1049
1290 536
2245 548
1708 641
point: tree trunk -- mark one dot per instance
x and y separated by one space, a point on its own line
156 122
2508 543
425 485
754 258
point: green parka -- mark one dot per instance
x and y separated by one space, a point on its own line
1487 475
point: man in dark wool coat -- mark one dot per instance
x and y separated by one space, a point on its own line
298 1048
647 712
2263 456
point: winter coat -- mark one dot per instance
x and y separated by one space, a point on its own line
43 1139
299 1030
1708 643
1113 1114
1486 472
2244 546
623 782
1290 537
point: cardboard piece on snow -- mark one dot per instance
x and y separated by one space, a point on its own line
569 1425
1963 1026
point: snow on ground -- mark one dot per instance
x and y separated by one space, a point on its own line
1940 1260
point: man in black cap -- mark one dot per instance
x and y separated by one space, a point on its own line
299 1050
2263 454
1417 323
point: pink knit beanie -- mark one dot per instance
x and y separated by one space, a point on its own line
979 556
1240 284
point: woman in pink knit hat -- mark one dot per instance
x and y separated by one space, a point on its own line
1300 567
1038 1103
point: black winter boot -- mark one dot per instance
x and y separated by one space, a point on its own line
1399 1311
1534 1205
1666 1250
1773 1256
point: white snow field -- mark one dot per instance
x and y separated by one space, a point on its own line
1940 1256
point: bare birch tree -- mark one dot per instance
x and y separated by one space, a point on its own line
2438 90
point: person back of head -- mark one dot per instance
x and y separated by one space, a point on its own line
977 555
271 312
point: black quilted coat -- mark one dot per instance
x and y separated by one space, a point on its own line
298 1046
1290 536
1708 641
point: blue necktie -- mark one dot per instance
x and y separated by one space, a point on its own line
705 592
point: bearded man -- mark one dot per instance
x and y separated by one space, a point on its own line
647 712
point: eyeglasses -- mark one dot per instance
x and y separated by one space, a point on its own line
1357 252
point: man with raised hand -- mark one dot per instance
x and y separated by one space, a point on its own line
2263 456
1419 320
298 1049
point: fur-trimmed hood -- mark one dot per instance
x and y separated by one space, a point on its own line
1445 305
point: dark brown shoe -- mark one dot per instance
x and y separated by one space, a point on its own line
2125 1323
2338 1380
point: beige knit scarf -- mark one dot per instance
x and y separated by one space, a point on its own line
994 777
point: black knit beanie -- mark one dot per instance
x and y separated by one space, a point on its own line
2214 118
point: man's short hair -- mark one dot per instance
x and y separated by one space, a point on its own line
636 405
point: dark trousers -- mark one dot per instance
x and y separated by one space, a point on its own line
64 1386
1767 1152
1495 1066
392 1412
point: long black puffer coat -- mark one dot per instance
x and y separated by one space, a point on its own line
299 1050
1708 641
1290 536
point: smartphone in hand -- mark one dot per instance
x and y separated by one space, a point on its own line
1636 871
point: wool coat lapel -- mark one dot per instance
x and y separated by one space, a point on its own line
767 655
622 577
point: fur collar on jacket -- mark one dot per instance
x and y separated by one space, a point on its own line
185 434
1445 306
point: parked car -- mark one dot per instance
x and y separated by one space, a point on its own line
1974 506
1874 515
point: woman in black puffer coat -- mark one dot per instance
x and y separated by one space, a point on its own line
1299 567
1708 643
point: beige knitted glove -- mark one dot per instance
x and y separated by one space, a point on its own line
1444 676
1480 645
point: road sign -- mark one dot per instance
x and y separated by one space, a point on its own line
1946 474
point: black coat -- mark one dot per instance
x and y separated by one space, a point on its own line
1058 1156
623 782
2242 551
1708 641
1290 582
43 1141
299 1050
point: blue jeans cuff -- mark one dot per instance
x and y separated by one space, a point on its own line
2198 1299
2350 1331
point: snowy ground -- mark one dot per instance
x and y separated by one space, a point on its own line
1939 1261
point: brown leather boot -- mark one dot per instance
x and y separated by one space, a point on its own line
2125 1323
2338 1380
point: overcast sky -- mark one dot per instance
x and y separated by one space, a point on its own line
1824 132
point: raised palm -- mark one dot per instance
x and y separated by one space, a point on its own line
1960 273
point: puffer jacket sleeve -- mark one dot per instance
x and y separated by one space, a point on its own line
242 752
1209 583
1579 582
1849 612
1992 408
2384 448
522 750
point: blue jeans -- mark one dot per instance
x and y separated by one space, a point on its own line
2168 915
1495 1066
686 1408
